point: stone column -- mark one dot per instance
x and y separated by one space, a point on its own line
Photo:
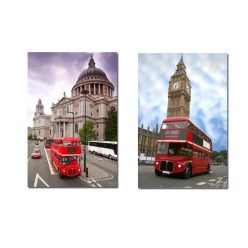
64 129
94 89
59 129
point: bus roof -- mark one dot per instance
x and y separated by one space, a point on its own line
67 138
106 142
183 118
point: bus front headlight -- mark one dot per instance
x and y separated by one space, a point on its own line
157 163
179 166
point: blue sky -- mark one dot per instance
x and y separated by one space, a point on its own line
208 76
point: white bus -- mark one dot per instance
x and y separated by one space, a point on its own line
104 148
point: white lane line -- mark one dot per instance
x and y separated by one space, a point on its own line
93 185
201 183
99 185
211 180
187 187
49 163
93 180
37 177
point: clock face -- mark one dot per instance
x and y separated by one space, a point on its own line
176 85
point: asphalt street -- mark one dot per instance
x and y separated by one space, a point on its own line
103 172
216 179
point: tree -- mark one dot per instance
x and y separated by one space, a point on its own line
30 137
111 125
90 132
35 136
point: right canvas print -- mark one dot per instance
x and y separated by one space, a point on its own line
182 117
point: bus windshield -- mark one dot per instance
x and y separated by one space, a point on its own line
67 159
180 149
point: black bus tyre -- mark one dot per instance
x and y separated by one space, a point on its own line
208 170
187 172
60 174
158 173
109 156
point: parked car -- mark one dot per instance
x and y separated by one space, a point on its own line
36 153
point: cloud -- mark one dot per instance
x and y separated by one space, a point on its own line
51 74
208 76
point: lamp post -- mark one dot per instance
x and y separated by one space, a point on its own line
85 92
72 122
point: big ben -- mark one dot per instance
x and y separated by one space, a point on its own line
179 92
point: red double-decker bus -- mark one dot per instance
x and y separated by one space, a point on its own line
65 155
48 143
182 148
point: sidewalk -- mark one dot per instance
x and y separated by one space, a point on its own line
94 172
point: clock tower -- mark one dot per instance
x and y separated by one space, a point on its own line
179 92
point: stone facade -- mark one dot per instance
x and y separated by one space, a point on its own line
147 141
95 104
41 122
179 93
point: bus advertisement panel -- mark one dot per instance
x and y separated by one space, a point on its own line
182 148
66 153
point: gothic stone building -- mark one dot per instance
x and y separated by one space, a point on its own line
99 101
41 122
179 93
147 141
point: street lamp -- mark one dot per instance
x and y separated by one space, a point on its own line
85 92
72 122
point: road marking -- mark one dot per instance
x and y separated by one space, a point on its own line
187 187
211 180
99 185
93 185
37 177
93 180
49 163
201 183
210 172
29 158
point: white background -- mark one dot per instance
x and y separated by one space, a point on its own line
127 216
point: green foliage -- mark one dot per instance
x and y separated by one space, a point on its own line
30 137
111 127
35 136
90 132
220 156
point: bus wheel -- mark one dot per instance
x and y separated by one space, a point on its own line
109 156
208 170
158 173
187 172
60 175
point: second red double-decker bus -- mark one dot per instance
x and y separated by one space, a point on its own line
65 155
48 142
182 148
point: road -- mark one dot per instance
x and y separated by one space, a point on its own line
103 172
216 179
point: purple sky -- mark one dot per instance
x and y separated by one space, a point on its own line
51 74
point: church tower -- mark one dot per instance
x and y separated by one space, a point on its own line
179 92
39 109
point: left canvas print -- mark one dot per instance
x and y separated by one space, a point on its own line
72 120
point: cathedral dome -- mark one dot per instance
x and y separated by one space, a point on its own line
92 72
94 80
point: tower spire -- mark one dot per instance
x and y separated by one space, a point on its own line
181 60
91 62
